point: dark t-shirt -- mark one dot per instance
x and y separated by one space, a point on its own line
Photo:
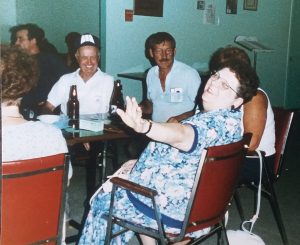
51 69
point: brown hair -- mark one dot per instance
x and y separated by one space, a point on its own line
158 38
19 73
247 77
223 55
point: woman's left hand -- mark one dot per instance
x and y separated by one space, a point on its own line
132 117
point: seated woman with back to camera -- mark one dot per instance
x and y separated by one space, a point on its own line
169 162
22 139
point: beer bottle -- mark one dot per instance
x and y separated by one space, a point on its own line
117 100
73 108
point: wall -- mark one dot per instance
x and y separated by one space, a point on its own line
292 97
56 17
123 42
196 41
7 19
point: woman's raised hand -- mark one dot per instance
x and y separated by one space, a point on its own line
132 117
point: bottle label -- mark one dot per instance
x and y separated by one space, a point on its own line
113 109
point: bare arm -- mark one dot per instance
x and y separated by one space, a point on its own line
176 134
46 108
255 117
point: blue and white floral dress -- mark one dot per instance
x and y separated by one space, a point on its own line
169 171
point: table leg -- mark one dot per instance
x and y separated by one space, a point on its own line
109 151
92 166
102 165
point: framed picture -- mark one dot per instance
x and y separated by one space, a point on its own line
149 7
231 6
250 5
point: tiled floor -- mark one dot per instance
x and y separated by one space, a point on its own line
287 188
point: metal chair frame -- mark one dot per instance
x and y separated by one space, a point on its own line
283 121
208 202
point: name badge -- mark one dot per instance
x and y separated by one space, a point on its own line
176 95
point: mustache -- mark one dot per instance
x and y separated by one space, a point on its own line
164 60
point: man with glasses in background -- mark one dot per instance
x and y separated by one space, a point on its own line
31 38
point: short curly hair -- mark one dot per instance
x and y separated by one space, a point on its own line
18 71
247 77
225 54
158 38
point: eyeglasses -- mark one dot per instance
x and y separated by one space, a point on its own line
215 76
168 51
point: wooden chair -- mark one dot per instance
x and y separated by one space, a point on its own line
283 120
213 188
33 200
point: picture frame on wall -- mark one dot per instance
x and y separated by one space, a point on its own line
149 7
231 6
250 5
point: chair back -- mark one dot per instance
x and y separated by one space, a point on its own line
215 184
32 200
283 120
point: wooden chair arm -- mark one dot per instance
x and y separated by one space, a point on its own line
131 186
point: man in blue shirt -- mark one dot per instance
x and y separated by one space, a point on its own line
172 86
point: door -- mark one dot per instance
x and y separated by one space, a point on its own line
293 77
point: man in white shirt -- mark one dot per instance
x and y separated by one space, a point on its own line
94 87
94 90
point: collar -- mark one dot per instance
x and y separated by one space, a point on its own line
77 74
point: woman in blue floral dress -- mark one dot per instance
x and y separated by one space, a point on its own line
169 163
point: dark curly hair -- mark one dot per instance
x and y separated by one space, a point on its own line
34 31
19 73
158 38
246 75
225 54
